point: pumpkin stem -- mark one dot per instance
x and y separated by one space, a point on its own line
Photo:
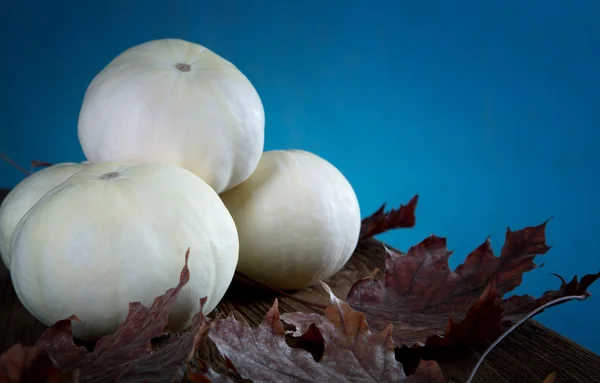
40 164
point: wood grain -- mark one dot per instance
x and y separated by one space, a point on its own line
527 355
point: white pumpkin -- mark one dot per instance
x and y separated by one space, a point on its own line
297 217
177 102
117 233
23 196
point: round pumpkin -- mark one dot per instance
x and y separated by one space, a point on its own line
176 102
117 233
298 219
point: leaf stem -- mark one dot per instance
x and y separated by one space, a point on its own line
14 164
519 323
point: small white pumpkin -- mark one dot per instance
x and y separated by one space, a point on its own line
23 196
117 233
177 102
297 217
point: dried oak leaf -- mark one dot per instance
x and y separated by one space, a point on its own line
127 354
351 352
382 221
432 305
30 364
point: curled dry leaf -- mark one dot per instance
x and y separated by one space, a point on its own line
30 364
430 304
127 354
351 353
382 221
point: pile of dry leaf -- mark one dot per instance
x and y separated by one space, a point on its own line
418 304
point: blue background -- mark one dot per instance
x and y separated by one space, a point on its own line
487 109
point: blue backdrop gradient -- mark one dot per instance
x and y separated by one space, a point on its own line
489 110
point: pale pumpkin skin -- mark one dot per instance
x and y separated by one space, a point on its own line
177 102
23 196
298 219
117 233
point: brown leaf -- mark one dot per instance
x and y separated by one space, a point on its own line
311 341
199 371
127 354
382 221
518 306
483 321
489 316
30 364
165 364
351 352
550 378
425 300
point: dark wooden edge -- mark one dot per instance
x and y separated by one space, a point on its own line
528 355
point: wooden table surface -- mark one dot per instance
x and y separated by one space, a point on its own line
526 356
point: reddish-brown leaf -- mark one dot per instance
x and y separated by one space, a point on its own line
428 303
382 221
127 354
517 306
30 364
490 316
483 321
351 352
